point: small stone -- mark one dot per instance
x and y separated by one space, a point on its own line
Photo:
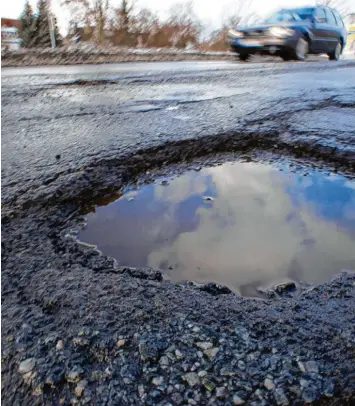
208 383
269 384
80 341
191 378
310 395
75 374
329 388
301 366
208 198
27 365
311 366
59 346
280 397
212 352
227 372
164 183
57 156
130 199
148 352
29 377
164 361
205 345
158 380
242 333
141 391
178 354
238 400
121 343
201 374
285 287
80 387
241 365
221 392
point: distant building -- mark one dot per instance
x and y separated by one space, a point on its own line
10 34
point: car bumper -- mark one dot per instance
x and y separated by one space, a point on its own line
267 45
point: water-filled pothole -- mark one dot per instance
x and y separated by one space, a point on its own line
244 225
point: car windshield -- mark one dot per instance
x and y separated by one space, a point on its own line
283 16
304 13
297 14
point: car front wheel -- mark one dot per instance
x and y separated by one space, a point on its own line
243 57
302 49
335 55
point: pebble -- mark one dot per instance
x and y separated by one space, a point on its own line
59 346
238 400
164 361
269 384
158 380
74 374
285 287
310 395
191 378
221 392
27 365
178 354
80 387
280 397
121 343
212 352
205 345
311 366
208 383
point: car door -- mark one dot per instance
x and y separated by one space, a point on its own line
319 31
333 31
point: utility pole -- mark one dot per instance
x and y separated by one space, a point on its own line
51 25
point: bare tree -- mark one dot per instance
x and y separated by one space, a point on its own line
122 24
182 26
239 16
342 6
146 26
92 14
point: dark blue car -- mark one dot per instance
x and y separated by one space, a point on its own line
293 34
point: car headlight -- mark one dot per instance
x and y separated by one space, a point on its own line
281 32
235 34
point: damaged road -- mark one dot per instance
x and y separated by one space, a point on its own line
77 328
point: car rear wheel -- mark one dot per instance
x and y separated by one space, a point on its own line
335 55
302 49
243 57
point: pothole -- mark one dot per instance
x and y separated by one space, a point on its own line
244 225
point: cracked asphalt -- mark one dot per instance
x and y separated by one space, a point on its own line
79 329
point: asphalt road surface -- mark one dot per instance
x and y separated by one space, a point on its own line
79 329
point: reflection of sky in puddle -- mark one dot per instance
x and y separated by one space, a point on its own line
263 226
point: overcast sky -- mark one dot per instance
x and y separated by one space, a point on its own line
210 12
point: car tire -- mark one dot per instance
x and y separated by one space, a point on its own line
335 55
302 49
243 57
286 57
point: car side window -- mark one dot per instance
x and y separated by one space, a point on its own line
320 15
338 19
330 17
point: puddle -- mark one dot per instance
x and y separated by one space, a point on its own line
243 225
